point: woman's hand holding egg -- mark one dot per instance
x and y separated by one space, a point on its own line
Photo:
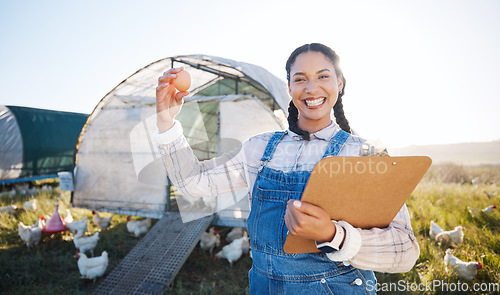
168 100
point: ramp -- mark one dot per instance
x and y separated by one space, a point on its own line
153 263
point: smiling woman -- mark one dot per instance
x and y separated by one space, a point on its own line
275 167
316 85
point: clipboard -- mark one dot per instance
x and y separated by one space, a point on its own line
365 191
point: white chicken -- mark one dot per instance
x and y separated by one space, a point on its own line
464 270
490 195
235 233
30 205
434 230
209 240
30 234
11 209
232 252
68 218
489 209
138 227
78 228
86 243
455 236
102 222
475 212
92 268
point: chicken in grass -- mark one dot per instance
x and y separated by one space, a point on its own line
489 195
489 209
235 233
68 218
92 268
11 209
102 222
232 252
30 234
209 240
464 270
86 243
451 237
138 227
434 230
475 212
78 228
30 205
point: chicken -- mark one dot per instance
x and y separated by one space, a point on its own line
209 240
489 209
84 244
490 195
30 234
41 222
138 227
78 228
235 233
232 252
92 268
30 205
434 230
11 209
455 236
464 270
68 218
102 222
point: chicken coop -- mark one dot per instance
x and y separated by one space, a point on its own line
117 165
36 143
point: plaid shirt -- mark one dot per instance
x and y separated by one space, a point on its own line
390 249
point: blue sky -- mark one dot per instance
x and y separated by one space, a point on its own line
418 72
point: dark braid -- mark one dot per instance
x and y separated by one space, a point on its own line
338 108
293 115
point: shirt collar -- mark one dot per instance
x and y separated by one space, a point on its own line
326 133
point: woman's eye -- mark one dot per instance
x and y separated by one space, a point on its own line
324 77
299 80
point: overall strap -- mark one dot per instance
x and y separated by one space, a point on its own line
271 145
336 143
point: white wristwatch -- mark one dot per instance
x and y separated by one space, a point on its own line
333 245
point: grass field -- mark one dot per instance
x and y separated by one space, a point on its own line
443 196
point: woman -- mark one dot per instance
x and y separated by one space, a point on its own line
276 167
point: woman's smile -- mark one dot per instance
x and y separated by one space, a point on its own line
314 103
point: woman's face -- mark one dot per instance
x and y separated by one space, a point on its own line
314 88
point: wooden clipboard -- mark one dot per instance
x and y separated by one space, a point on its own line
367 192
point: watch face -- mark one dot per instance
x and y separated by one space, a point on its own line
327 249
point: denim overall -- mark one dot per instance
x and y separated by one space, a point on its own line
275 271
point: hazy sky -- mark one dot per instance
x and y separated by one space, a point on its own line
418 72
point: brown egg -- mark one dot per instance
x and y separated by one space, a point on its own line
183 81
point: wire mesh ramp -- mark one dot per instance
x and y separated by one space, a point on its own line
156 259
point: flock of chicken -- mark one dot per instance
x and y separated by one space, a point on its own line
89 267
453 265
238 244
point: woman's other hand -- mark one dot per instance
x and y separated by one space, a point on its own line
309 221
168 100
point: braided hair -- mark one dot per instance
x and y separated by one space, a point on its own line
338 108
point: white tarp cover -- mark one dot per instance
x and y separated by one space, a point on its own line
11 145
117 164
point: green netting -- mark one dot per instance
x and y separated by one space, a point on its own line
49 139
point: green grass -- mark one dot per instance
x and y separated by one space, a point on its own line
443 196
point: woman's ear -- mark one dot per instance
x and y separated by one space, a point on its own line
289 90
340 82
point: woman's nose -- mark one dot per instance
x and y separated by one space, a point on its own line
311 86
